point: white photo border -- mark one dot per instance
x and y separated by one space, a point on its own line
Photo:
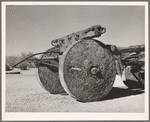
75 116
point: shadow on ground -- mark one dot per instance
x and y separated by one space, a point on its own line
118 92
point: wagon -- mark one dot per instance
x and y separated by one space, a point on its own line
85 68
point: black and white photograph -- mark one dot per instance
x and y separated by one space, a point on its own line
75 61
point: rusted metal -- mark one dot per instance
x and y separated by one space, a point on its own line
36 59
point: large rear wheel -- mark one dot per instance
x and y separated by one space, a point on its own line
87 70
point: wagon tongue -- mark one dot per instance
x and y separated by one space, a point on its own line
41 62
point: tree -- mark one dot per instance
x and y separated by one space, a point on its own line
12 60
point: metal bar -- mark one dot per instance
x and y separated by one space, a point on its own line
34 55
51 66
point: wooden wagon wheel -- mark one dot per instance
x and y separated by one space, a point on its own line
49 79
87 70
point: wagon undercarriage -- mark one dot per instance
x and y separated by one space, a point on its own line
86 68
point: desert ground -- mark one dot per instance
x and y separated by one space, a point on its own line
25 94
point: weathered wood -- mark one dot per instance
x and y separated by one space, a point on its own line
136 48
131 78
133 60
87 71
48 76
92 32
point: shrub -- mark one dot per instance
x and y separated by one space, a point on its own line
23 67
8 67
12 60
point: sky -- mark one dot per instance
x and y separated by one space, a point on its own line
32 27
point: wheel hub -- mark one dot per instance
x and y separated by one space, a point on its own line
94 70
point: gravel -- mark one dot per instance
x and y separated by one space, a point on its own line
24 94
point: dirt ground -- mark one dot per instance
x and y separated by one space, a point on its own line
24 94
